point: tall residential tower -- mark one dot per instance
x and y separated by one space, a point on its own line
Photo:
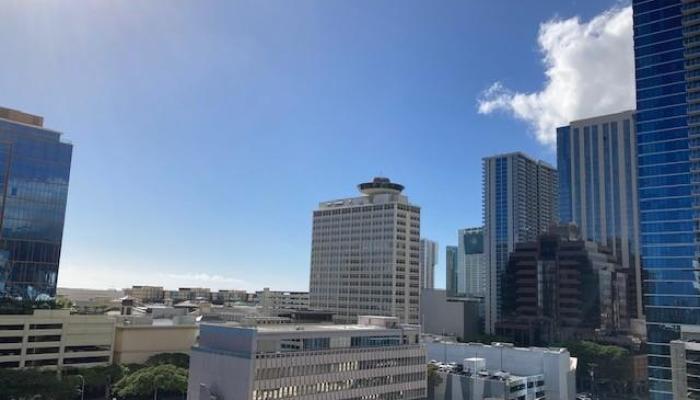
365 254
34 174
667 73
428 260
520 202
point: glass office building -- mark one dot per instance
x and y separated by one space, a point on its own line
667 61
519 202
34 174
597 166
452 279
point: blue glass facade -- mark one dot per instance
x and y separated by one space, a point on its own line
34 174
597 168
665 71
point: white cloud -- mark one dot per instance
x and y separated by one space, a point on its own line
589 68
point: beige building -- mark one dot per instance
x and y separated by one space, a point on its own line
374 359
273 300
146 294
137 343
365 254
55 339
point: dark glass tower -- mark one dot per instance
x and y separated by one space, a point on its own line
667 57
34 174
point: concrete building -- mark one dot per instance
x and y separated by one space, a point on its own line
186 293
597 166
274 300
428 259
471 262
519 203
136 343
374 359
555 364
560 287
365 254
146 294
685 363
470 380
35 168
55 339
229 296
449 316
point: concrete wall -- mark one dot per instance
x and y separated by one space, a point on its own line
452 318
225 376
135 344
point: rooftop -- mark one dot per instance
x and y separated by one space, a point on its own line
21 117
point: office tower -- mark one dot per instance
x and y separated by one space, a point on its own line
428 259
559 288
375 359
666 69
472 262
597 165
519 203
364 254
452 279
33 191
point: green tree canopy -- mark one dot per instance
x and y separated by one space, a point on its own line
181 360
143 383
36 384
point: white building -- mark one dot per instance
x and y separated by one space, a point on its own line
428 260
471 262
365 254
520 202
470 380
685 363
55 339
555 364
374 359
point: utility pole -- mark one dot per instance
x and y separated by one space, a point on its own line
82 387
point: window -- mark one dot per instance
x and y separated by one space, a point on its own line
45 326
85 360
45 338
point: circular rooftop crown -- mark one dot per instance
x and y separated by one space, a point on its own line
380 185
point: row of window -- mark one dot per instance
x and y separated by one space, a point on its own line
329 368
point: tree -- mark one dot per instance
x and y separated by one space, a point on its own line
30 384
181 360
142 384
434 380
612 365
97 379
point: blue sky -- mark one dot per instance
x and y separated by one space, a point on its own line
206 133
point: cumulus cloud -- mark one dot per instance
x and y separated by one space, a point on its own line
589 69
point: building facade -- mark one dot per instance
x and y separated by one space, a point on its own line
685 364
274 299
560 288
443 315
374 359
33 193
666 73
55 339
472 262
520 202
451 268
146 294
597 166
555 364
428 259
365 254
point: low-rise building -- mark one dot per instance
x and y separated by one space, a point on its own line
450 316
555 364
55 339
685 363
374 359
274 299
146 294
472 381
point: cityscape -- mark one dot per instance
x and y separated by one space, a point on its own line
581 280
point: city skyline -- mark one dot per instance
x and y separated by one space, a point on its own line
164 225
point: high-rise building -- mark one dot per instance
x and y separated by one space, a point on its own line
520 202
597 165
452 278
560 288
428 259
472 262
375 359
34 174
667 62
365 254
